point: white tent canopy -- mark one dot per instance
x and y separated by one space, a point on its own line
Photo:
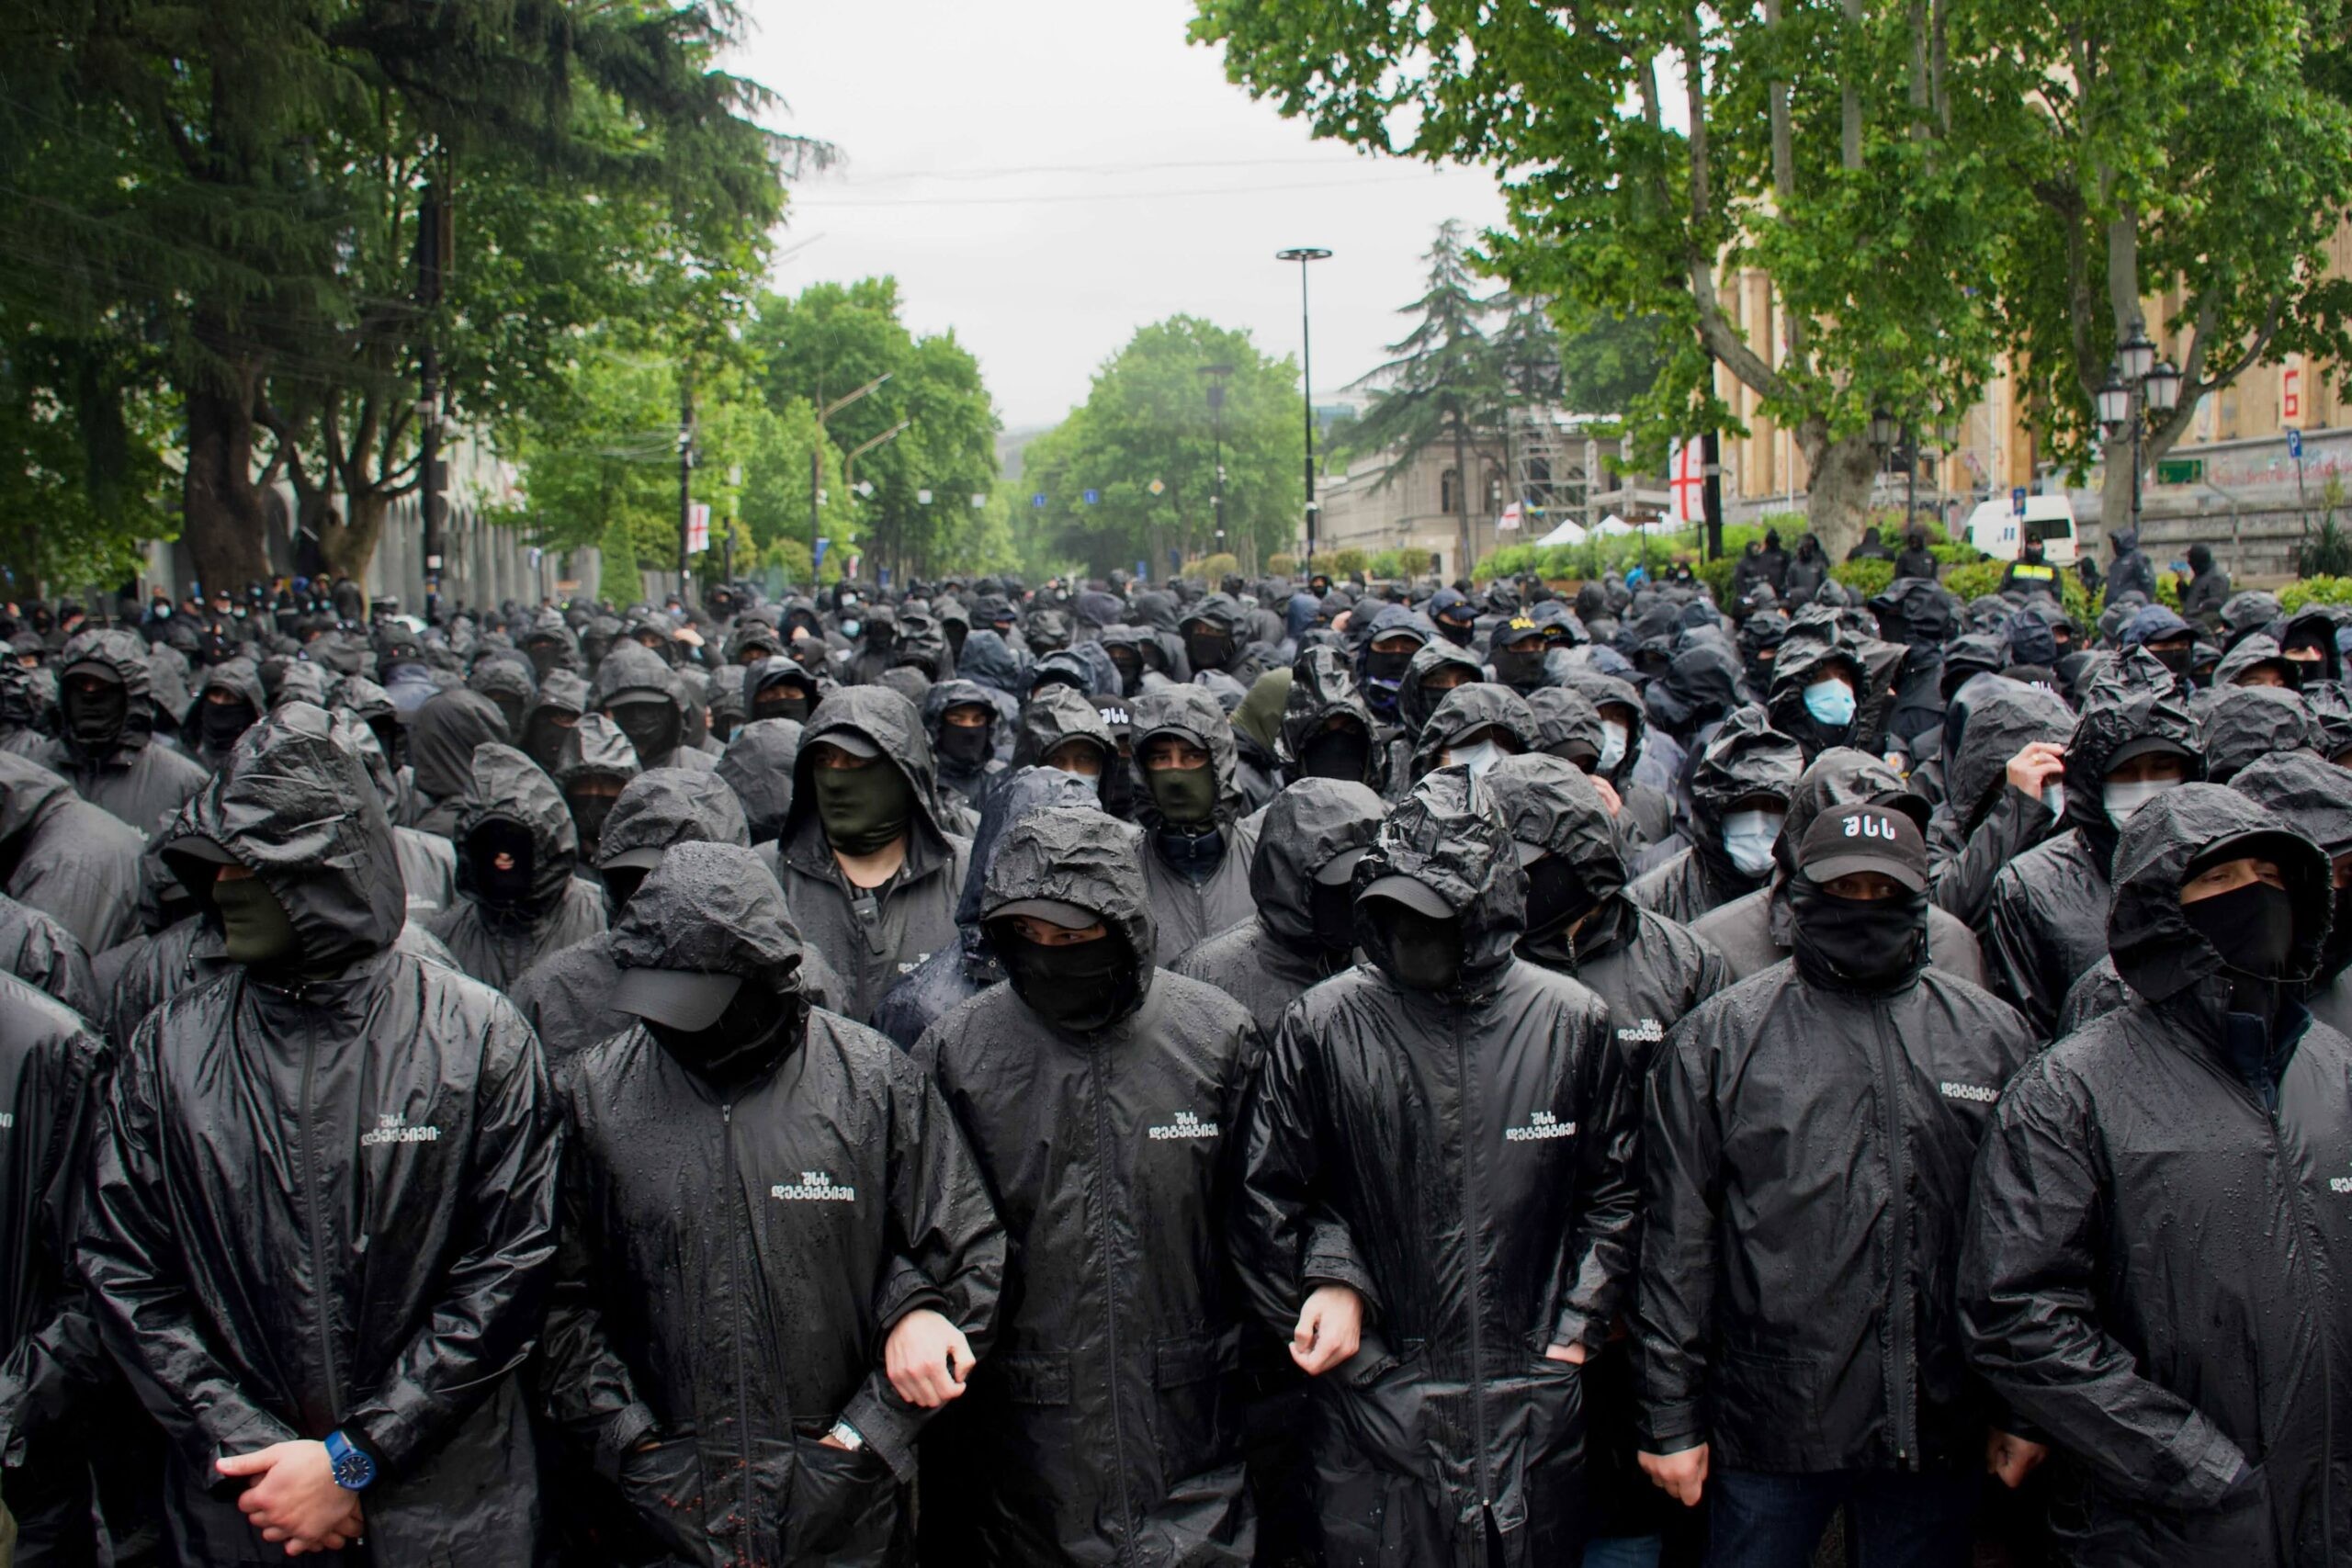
1567 533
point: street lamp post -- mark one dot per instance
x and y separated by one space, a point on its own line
1303 255
2138 384
1216 375
817 466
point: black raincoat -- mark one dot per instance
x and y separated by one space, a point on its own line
495 943
2046 921
1984 822
1651 811
735 1254
128 774
873 937
441 745
1755 931
38 949
631 671
757 766
1184 912
389 1101
241 679
1105 1427
966 780
2158 1258
1746 758
74 862
1801 1136
1463 1162
1270 958
1323 689
2238 724
1467 710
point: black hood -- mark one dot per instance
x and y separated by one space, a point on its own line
508 786
1306 827
1465 711
1449 835
632 670
1192 712
758 766
955 693
2313 795
295 805
596 746
1321 686
363 699
2155 949
28 793
1701 682
551 629
1055 714
1746 757
1413 704
779 671
2004 716
987 659
563 692
1840 777
1552 805
1802 662
1020 794
713 909
499 674
891 723
672 806
441 742
2244 724
1076 855
1564 716
2249 650
1602 691
2132 698
2316 623
121 655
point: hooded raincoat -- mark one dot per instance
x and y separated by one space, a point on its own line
121 771
496 941
1984 822
69 860
442 740
632 672
736 1251
1210 893
38 949
1105 1427
396 1103
2157 1254
1462 1161
1746 758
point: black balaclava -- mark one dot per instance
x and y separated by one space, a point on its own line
652 725
1207 646
1129 663
255 924
511 707
2253 928
1079 988
1556 899
1857 944
965 746
1342 753
1458 633
543 736
621 883
1518 670
1331 909
96 718
510 889
546 656
588 813
1423 951
863 810
759 1028
2176 660
783 700
221 723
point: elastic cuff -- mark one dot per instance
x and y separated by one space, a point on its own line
622 1435
887 1430
1671 1428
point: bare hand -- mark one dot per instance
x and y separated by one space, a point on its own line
1681 1476
2041 764
1330 1326
293 1498
1574 1355
2012 1457
1609 796
928 1360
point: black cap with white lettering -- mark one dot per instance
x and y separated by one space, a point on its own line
1865 838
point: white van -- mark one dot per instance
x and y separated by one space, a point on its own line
1996 530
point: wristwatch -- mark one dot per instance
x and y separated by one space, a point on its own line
353 1469
847 1436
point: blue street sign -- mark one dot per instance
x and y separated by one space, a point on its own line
1143 571
884 573
820 551
1093 498
2016 499
2295 445
1038 500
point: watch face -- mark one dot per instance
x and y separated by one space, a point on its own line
353 1471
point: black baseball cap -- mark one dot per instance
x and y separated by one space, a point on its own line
690 999
1411 892
1865 838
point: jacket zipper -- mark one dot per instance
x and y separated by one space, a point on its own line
1111 1299
1470 1266
320 1284
1900 1351
743 1367
2327 1360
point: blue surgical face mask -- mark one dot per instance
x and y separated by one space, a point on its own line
1614 737
2054 797
1478 759
2123 799
1748 838
1831 704
850 628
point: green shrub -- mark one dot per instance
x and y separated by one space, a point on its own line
2315 591
1396 565
1344 563
1283 564
1716 575
1979 578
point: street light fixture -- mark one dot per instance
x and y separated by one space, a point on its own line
1303 255
2163 386
1886 430
2138 355
2138 385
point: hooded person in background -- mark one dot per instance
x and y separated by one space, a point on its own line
638 691
1438 1206
878 646
505 678
1196 862
1476 726
69 860
1805 1153
2203 595
597 765
2132 572
2315 797
428 862
447 731
1301 883
38 949
2005 790
1648 817
104 745
553 714
961 719
780 688
1118 1291
1257 740
758 766
697 1349
2134 740
401 1416
517 900
2156 1241
1815 696
2241 725
1740 794
229 701
1327 731
869 870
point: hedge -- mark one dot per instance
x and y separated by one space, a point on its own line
2315 591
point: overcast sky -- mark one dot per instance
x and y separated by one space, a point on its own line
1046 176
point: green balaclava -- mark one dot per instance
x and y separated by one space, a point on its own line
864 809
257 928
1186 796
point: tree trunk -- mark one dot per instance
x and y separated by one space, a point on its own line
221 519
348 543
1462 493
1838 477
2115 489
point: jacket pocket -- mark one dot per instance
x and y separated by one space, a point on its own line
1377 1404
1195 1415
662 1486
845 1505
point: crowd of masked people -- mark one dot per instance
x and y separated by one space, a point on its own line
1277 1072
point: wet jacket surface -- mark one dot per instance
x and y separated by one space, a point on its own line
1747 757
442 740
757 765
1269 959
630 670
873 937
2046 921
388 1276
68 859
38 949
735 1253
1984 821
1106 1425
2156 1264
495 944
129 776
1800 1134
1462 1162
1184 912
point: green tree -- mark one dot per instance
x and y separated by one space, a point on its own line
1147 419
1609 363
